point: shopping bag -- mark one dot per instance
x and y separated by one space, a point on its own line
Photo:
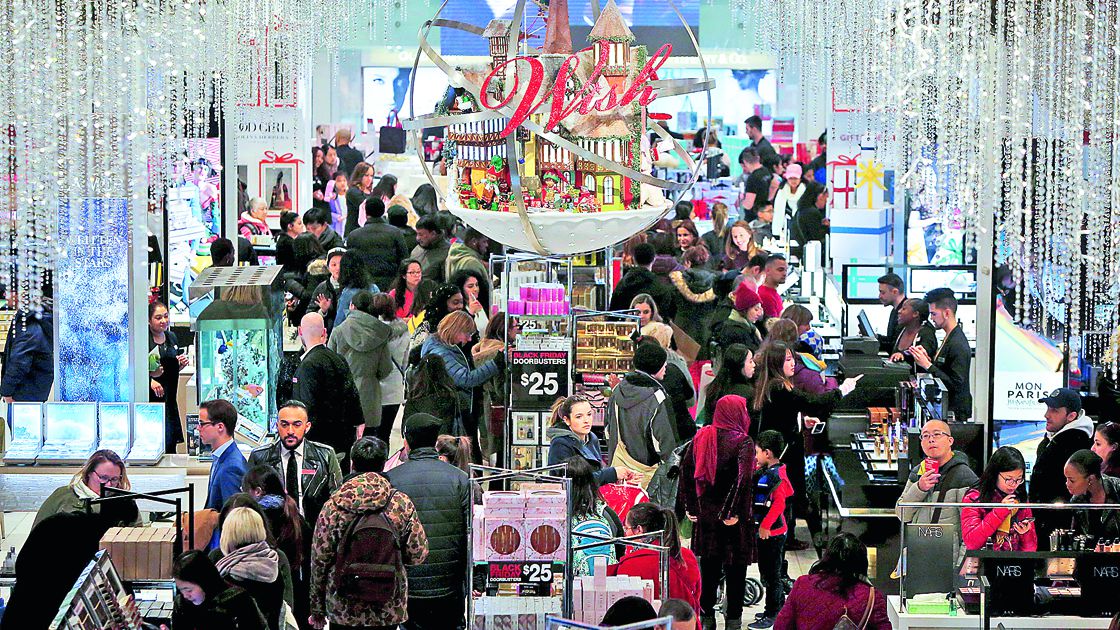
392 137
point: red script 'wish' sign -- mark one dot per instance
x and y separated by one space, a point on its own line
590 97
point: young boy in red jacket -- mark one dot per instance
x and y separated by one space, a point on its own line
772 491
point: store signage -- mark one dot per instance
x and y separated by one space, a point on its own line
1016 394
539 377
533 579
588 98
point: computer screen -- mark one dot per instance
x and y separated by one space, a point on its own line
861 283
865 327
961 281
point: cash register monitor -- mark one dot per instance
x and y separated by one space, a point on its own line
865 327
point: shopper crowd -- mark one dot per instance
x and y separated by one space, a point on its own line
391 302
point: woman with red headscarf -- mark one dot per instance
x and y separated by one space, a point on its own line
715 489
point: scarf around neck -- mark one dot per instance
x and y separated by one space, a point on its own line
257 562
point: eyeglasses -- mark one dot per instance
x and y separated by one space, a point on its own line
1016 481
108 480
936 435
206 424
413 273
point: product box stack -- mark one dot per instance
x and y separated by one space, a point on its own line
510 530
540 298
140 553
593 595
521 525
604 347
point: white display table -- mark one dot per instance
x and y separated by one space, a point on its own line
906 621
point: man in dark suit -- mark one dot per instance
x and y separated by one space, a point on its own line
892 293
217 422
324 384
310 470
953 359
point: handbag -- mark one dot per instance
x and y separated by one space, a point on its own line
846 623
391 137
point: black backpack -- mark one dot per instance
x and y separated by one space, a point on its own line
368 567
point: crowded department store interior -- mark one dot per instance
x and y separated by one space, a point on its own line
560 314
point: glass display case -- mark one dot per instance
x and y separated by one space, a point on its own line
26 422
116 427
148 433
239 341
70 432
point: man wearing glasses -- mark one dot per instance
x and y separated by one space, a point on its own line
943 476
1066 433
217 424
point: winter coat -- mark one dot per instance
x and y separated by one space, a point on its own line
495 392
639 414
392 386
363 340
638 280
813 604
695 301
465 378
27 373
324 383
442 495
381 246
775 517
1048 480
1099 523
956 479
779 412
730 496
808 376
678 384
684 573
433 260
744 389
459 257
319 479
366 493
232 609
269 596
68 499
250 226
330 239
563 444
981 525
345 297
354 200
442 404
736 329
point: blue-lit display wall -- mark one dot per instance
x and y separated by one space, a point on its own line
92 301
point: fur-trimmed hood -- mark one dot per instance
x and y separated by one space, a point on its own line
694 285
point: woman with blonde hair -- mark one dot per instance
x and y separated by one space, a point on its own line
103 469
452 334
246 558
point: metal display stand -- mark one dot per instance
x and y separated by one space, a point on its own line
539 373
530 571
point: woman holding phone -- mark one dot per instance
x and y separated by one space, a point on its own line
1004 529
165 361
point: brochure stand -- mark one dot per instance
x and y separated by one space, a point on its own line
519 565
662 623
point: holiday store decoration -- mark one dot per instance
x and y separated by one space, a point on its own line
548 150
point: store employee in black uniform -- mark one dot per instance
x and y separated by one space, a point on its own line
892 293
952 360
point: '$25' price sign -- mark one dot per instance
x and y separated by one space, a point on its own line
539 377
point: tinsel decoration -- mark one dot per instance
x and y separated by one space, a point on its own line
1008 108
97 96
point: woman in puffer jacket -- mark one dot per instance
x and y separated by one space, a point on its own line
363 341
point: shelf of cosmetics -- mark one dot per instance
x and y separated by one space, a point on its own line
883 444
66 433
98 600
605 347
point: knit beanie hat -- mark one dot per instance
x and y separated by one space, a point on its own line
650 357
745 298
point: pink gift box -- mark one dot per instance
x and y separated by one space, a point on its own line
524 292
501 499
547 539
505 539
552 499
516 307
